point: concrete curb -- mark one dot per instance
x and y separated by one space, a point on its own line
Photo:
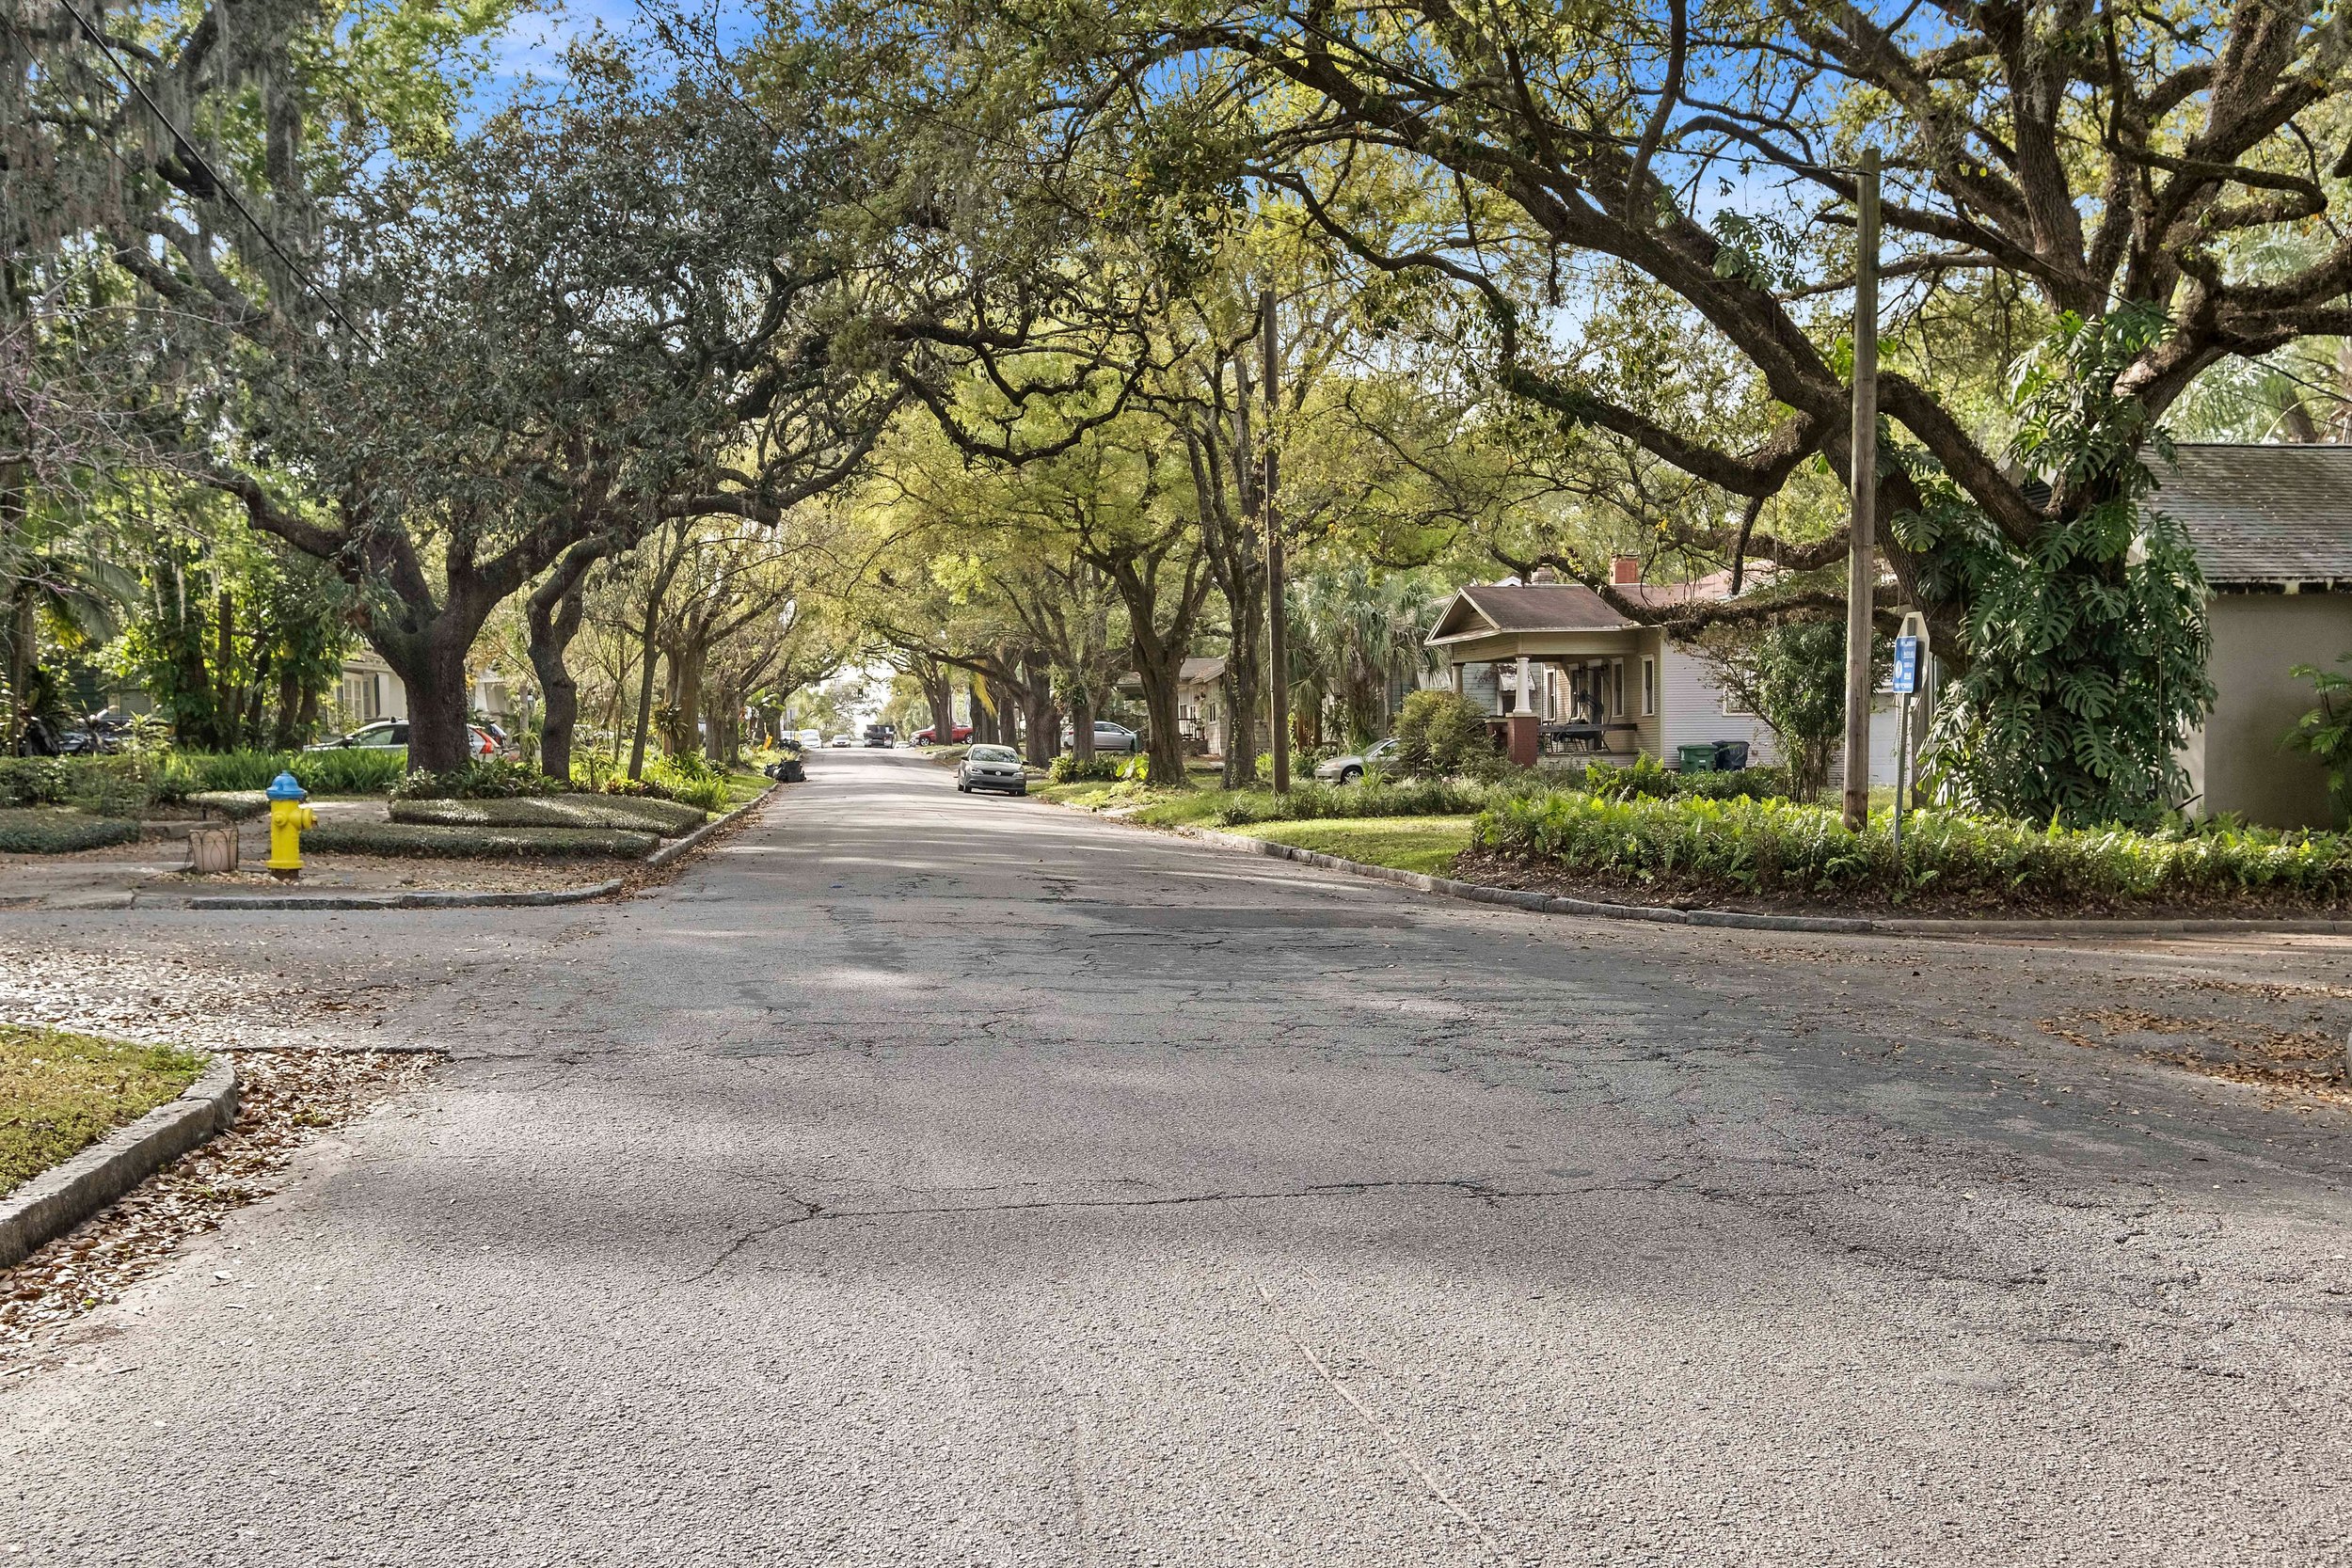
1540 903
531 898
677 846
56 1201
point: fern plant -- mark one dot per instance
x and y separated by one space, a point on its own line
2325 734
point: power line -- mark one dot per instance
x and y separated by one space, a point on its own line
219 183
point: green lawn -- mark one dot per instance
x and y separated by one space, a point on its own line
60 1093
1425 843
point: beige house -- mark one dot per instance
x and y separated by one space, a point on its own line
2272 526
1573 680
369 690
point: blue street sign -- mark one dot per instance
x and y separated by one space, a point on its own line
1906 664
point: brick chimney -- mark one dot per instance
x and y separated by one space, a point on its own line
1625 571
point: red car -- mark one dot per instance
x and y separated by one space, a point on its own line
928 734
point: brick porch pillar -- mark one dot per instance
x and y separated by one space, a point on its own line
1525 736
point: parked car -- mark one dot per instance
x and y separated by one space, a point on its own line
992 768
839 743
811 739
880 735
1351 770
1107 738
928 734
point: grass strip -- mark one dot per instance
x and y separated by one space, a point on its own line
59 1093
1424 844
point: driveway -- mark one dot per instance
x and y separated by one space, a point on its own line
924 1179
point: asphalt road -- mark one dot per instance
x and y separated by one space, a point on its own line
923 1179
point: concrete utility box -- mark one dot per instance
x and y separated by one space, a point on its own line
213 848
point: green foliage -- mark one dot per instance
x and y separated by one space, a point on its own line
482 779
1793 674
415 840
37 781
1646 778
2325 734
1773 846
2086 651
1067 768
648 814
1440 734
49 831
1310 800
344 771
691 777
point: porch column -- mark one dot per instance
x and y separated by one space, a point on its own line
1525 700
1458 686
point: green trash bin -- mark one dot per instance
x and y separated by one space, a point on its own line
1698 759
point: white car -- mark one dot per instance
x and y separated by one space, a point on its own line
992 768
811 739
840 743
392 734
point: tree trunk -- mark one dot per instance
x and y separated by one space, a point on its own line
1166 743
554 620
1081 722
938 695
432 667
1044 725
287 733
22 626
687 677
649 652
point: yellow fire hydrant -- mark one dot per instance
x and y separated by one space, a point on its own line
288 816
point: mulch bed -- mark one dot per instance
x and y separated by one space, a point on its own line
1691 893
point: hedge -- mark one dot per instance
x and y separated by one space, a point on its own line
1777 846
342 770
126 785
415 840
37 831
1312 800
668 819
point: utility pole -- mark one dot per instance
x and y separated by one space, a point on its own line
1861 554
1278 654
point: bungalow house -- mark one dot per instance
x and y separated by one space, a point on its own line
2272 528
1574 680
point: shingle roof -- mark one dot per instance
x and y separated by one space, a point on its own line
1539 607
2263 513
1202 668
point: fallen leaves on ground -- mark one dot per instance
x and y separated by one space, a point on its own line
2306 1062
287 1097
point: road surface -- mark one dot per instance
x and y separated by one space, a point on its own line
923 1179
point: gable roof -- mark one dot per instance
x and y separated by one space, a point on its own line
1484 608
2263 514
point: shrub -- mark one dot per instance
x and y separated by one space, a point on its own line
342 770
1440 734
235 804
1745 784
688 776
2326 732
35 781
47 830
415 840
1780 847
1067 768
648 814
1311 800
1646 777
483 778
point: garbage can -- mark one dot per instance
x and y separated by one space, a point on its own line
1698 759
1730 755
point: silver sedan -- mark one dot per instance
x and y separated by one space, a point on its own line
992 768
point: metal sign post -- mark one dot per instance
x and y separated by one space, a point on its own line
1911 652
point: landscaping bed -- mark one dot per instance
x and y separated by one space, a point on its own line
1776 857
61 1092
407 839
638 813
53 830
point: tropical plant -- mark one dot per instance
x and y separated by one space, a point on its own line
2325 734
1440 734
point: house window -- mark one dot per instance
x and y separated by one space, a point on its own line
1732 708
1617 688
1649 687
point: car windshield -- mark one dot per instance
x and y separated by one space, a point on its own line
993 754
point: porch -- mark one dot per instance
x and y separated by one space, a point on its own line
1566 678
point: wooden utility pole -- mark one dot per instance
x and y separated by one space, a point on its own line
1862 568
1278 654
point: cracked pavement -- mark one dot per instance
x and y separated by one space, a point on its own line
923 1179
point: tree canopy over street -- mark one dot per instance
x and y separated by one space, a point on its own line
947 323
